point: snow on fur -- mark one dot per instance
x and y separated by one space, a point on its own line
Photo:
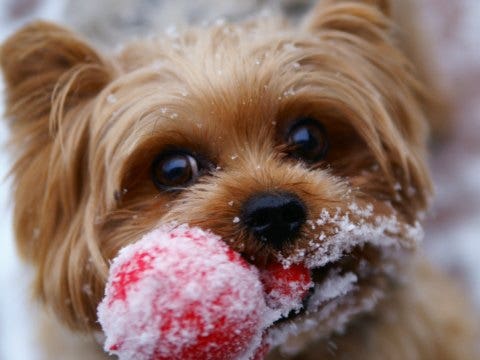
383 232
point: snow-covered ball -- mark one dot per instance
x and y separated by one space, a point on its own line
182 293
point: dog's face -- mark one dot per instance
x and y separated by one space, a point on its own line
298 145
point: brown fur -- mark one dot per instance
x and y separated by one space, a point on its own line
82 183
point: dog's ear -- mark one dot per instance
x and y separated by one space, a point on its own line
42 63
52 79
370 31
365 18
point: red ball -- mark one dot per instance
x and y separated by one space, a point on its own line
182 293
286 287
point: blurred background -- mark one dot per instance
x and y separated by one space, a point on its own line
452 30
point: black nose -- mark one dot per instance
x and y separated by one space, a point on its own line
274 218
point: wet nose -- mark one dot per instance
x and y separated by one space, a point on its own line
274 217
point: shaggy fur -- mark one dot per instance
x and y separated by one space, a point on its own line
87 127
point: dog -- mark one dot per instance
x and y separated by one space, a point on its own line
297 144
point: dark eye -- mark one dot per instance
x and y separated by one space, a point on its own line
307 140
173 170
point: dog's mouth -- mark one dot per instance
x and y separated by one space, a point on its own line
337 279
351 272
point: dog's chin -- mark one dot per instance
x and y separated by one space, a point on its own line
343 289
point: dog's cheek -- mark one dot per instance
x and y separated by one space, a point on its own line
70 280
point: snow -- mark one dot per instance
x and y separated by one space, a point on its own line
335 313
384 232
334 286
111 99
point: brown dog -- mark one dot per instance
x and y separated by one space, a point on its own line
300 145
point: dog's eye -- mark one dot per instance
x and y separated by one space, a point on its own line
307 140
174 170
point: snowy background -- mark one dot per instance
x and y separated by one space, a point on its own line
453 226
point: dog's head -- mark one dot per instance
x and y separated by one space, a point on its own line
296 144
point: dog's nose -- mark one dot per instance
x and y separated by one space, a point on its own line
274 217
